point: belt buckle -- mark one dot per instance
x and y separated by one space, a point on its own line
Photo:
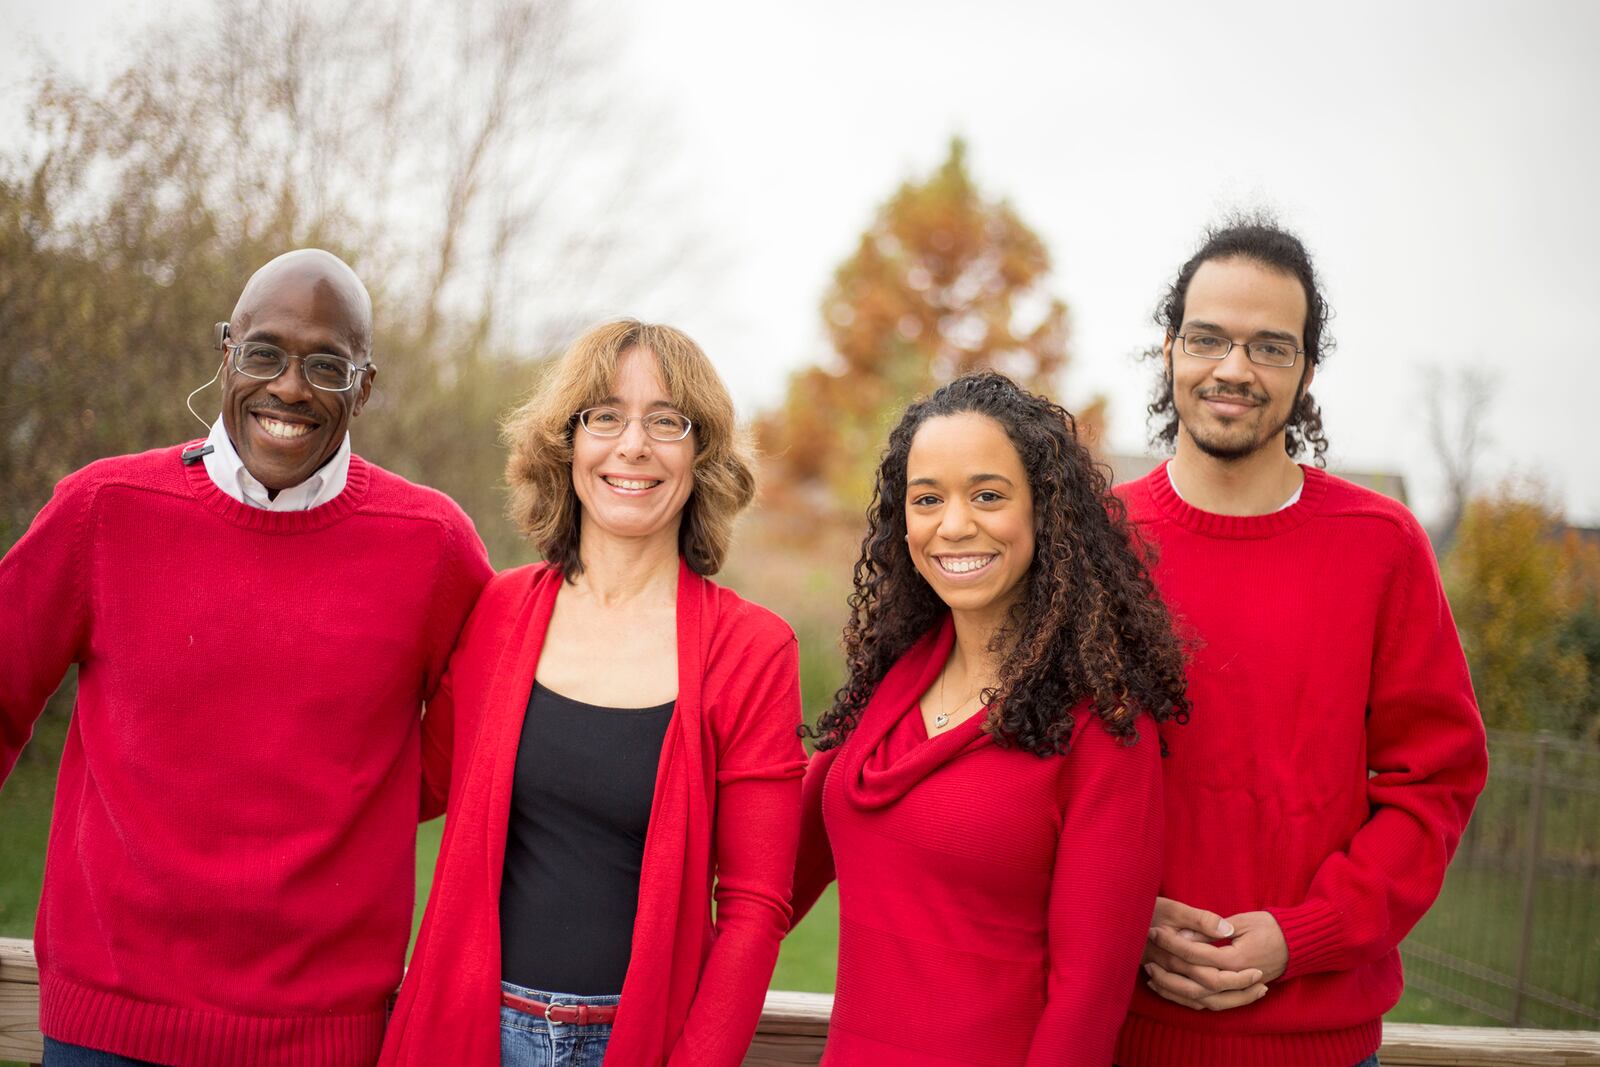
552 1007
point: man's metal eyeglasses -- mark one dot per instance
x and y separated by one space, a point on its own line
330 373
1266 353
264 362
658 425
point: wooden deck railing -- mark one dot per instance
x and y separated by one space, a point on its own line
794 1026
19 1002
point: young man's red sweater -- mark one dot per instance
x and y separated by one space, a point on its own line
230 868
1329 767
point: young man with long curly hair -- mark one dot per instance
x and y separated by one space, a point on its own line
1336 748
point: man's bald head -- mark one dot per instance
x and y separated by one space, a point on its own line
319 281
305 303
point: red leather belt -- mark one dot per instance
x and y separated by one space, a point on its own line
564 1014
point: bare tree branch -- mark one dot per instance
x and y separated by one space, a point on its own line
1457 402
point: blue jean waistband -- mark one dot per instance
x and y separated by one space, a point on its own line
529 993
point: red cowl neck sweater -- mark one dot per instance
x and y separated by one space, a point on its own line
726 808
1328 770
993 904
230 869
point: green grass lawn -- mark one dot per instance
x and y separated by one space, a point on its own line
428 837
1478 918
25 825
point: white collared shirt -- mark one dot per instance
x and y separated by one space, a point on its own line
1294 498
229 474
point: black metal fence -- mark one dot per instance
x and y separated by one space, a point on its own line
1515 935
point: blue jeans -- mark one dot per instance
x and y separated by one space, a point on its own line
59 1054
529 1041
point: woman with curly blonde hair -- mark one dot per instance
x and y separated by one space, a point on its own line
617 743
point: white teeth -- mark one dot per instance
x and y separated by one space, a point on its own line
629 483
964 565
283 430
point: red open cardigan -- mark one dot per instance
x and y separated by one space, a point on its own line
727 802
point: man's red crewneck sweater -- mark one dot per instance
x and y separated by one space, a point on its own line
230 869
1333 756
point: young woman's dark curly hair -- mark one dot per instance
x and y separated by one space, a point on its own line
1260 239
1088 624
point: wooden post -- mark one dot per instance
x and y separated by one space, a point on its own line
19 1002
1530 872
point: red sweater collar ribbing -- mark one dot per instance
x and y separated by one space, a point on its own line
1238 527
285 522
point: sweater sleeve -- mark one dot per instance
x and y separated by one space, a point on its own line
438 749
1427 762
757 825
463 571
813 868
1107 871
44 611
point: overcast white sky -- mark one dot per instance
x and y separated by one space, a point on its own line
1440 159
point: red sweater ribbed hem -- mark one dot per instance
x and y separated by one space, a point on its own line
165 1033
1147 1043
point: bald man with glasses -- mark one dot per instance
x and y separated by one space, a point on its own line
257 620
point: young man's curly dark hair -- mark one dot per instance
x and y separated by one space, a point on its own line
1259 239
1089 623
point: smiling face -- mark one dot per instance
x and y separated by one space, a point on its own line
633 486
969 513
1231 408
283 429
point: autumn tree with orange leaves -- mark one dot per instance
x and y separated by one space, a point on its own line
943 282
1525 591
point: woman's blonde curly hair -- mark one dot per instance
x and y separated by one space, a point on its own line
539 433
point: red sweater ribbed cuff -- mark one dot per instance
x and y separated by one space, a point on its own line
1313 931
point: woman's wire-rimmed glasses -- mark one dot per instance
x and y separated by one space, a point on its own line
658 425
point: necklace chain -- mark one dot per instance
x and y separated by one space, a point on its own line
942 719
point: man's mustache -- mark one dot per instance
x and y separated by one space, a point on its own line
275 405
1243 393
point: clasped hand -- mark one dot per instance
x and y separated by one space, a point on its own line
1186 967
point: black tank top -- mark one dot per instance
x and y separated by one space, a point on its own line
580 806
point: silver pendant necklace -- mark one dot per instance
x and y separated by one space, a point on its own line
942 719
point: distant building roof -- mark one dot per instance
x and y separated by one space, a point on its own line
1587 534
1126 466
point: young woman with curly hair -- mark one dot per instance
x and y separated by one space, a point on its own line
616 737
987 785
